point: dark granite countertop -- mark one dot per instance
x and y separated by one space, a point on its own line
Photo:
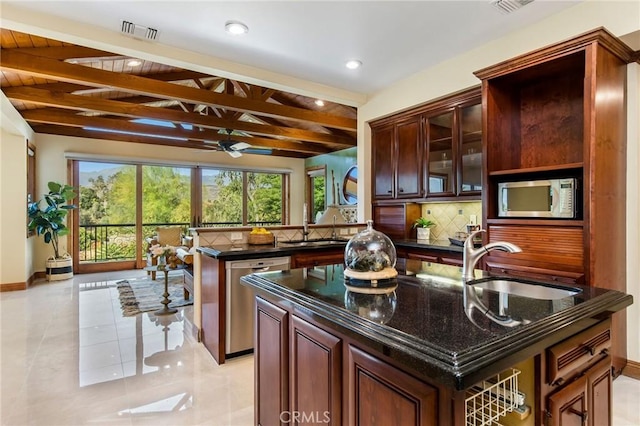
249 251
440 245
427 328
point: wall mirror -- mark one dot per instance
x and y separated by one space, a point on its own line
350 185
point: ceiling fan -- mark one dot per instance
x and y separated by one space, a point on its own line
232 147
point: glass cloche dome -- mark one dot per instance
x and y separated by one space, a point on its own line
370 260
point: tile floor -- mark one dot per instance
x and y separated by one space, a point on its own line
69 357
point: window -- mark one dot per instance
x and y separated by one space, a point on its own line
316 191
234 198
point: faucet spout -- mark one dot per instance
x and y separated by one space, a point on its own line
471 256
305 223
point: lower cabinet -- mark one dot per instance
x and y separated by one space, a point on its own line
300 379
271 364
586 401
579 379
380 394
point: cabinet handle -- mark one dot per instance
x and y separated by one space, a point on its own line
558 382
401 190
583 415
389 192
592 350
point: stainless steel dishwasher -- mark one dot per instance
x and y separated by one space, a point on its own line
240 299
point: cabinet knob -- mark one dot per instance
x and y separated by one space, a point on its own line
389 192
401 190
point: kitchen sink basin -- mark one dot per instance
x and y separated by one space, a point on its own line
525 289
313 242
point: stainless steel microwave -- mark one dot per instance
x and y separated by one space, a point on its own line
538 198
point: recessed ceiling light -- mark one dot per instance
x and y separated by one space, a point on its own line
353 64
134 63
319 102
236 28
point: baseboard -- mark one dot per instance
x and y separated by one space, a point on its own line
632 370
13 286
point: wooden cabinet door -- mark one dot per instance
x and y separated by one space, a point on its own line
383 155
599 383
271 364
409 161
568 406
316 374
382 395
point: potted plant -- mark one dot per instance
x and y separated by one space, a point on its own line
423 226
48 218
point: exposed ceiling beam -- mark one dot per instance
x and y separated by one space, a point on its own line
68 118
82 133
23 63
87 103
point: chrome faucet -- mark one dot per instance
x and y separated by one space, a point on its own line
334 235
305 228
471 256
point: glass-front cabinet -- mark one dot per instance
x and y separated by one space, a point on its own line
471 148
439 137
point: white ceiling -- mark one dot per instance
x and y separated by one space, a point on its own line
312 40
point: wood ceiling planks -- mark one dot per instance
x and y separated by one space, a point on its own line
64 89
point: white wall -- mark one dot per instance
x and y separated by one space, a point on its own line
13 215
14 245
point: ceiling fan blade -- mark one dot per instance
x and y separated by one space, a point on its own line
234 154
240 145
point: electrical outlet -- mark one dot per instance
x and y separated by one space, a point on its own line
344 231
235 236
353 230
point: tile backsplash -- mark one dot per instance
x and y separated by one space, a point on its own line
451 218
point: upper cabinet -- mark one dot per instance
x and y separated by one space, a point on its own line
430 152
397 148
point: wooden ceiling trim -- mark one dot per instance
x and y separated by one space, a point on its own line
67 118
49 68
84 103
121 137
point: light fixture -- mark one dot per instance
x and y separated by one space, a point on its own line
319 102
236 28
134 63
353 64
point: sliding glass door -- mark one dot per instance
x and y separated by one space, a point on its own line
120 205
106 227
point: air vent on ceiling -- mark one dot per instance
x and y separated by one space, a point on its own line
138 31
508 6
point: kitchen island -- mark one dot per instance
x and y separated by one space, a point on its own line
411 355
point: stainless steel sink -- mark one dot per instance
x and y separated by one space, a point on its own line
525 289
313 242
